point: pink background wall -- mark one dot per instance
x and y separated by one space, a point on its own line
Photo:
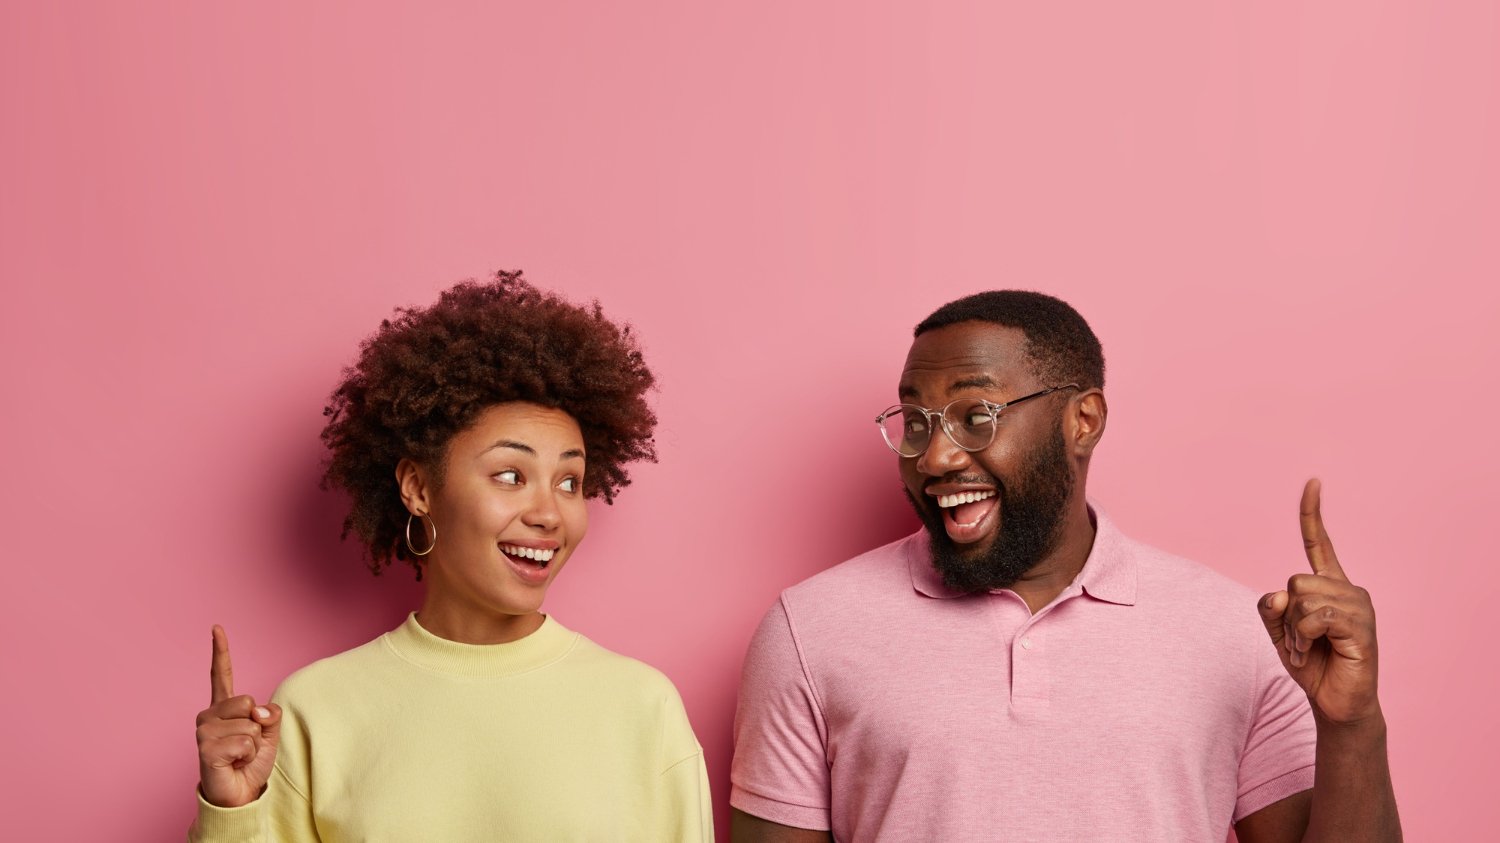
1281 219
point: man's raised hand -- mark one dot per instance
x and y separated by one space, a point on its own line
236 738
1323 627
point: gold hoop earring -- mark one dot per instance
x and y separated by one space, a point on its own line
431 544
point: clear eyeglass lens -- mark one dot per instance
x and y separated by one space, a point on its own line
906 430
971 423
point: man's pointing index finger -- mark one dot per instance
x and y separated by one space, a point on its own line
1315 536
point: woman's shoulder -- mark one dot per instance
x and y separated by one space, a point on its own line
332 676
623 673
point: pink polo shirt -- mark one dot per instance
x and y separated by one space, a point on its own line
1145 703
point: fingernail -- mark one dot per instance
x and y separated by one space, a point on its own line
262 712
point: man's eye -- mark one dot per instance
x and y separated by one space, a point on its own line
509 478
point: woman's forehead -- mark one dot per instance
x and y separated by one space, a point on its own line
533 426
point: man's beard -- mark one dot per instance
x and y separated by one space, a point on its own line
1031 516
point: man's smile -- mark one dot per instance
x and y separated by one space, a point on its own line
969 513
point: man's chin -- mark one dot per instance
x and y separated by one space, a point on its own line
976 566
965 551
971 547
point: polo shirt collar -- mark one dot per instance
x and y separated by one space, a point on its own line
1108 574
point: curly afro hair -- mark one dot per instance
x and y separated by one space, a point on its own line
427 373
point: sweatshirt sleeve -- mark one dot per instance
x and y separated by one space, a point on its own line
686 811
280 815
283 814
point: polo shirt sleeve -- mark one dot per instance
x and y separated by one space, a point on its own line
1282 744
780 767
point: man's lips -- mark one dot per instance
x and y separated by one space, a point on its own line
969 513
948 500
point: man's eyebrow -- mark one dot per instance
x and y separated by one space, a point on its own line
907 392
571 453
973 382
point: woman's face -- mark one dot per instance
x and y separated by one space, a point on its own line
508 512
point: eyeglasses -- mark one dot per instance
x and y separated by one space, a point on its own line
969 422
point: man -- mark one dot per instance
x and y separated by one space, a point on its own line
1019 670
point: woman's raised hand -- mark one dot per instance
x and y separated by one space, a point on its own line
236 738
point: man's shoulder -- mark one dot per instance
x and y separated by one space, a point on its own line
877 568
876 577
1167 576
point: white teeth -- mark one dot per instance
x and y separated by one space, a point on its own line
532 553
946 501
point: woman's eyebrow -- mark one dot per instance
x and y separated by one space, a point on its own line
510 443
571 453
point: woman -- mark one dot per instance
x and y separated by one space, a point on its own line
469 435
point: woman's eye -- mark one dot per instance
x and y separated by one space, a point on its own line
509 478
569 485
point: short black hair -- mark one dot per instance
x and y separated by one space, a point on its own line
1061 345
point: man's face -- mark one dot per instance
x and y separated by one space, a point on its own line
1022 481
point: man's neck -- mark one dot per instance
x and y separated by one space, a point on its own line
1049 577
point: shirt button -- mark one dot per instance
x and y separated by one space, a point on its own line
1026 643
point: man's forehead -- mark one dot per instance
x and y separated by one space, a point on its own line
967 354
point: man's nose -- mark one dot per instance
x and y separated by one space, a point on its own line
943 456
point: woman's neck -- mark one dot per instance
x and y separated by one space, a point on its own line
472 625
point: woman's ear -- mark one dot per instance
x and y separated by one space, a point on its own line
415 486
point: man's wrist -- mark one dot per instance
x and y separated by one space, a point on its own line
1361 731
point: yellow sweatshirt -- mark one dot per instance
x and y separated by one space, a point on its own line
412 737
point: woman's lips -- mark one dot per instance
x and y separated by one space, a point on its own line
528 571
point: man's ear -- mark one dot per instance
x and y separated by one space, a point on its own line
416 486
1087 415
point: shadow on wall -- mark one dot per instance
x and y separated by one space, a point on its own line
322 599
872 509
164 819
881 513
332 574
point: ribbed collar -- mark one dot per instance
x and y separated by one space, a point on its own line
411 642
1108 574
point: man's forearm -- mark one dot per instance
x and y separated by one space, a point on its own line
1353 799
